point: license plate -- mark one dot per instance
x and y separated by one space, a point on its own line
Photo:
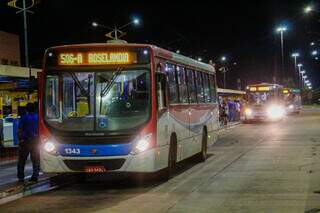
94 169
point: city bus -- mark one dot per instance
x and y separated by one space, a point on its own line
120 107
292 98
264 102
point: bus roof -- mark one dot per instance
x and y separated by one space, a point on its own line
231 91
158 52
264 84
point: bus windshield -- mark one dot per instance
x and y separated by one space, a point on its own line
259 98
97 101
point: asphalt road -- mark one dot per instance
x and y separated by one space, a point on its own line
266 167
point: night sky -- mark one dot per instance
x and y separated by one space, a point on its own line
244 31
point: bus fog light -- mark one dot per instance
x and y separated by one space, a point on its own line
143 144
49 147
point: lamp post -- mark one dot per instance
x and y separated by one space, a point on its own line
224 71
24 9
299 74
295 56
281 30
116 30
304 78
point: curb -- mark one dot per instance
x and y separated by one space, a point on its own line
42 186
229 126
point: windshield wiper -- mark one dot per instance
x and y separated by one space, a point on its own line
83 91
113 79
107 88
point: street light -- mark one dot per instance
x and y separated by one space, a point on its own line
281 30
312 44
223 58
178 51
308 9
199 59
136 21
116 30
314 52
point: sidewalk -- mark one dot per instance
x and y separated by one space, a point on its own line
9 190
8 174
230 125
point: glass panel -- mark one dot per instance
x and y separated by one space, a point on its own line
52 97
76 112
171 73
183 90
200 92
122 99
207 95
191 87
261 97
161 92
213 89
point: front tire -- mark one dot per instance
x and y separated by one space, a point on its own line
172 161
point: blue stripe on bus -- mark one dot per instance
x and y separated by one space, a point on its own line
73 150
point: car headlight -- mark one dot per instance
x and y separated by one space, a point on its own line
248 111
143 144
275 112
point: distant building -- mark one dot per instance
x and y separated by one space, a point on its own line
9 49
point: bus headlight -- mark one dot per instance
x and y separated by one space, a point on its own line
50 147
143 144
275 112
248 112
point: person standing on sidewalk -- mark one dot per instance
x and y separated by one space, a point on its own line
28 135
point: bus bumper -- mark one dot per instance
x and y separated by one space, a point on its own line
142 162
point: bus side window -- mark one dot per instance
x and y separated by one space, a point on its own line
191 86
213 89
200 92
182 84
206 85
161 92
172 83
52 94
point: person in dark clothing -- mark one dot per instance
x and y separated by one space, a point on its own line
28 143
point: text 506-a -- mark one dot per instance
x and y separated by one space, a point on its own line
72 151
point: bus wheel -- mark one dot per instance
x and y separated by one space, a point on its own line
172 160
203 153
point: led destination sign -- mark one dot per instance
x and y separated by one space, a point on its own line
260 89
96 58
